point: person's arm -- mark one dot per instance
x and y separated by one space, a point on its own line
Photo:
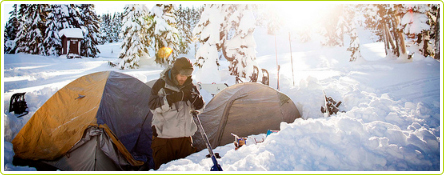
155 100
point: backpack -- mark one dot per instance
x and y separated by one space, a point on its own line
18 104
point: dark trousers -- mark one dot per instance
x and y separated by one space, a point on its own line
165 150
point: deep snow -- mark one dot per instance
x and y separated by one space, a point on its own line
392 119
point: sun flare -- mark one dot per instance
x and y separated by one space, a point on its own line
301 15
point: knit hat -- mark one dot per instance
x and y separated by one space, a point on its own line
182 66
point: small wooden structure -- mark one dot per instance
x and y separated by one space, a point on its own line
71 38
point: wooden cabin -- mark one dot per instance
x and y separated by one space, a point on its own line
71 39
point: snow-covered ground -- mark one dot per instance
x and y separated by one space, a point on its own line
392 119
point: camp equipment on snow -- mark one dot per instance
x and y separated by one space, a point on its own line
272 131
245 109
17 104
215 154
265 77
99 121
239 141
216 166
330 106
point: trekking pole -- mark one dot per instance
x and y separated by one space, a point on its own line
216 166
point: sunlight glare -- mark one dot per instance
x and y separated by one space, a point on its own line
302 15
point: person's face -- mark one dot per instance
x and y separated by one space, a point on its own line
181 79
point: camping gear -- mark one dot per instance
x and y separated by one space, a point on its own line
18 105
216 166
99 121
265 77
330 106
272 131
239 141
244 109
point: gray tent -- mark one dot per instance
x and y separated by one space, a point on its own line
244 109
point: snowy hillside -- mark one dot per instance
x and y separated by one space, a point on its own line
392 119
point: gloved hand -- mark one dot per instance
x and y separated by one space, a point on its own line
197 101
187 91
174 97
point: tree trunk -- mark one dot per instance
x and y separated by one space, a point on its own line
388 36
425 41
395 35
401 38
438 36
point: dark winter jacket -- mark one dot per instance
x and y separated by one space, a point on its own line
175 120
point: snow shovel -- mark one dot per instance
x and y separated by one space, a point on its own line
216 166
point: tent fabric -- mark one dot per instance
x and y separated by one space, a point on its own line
114 102
244 109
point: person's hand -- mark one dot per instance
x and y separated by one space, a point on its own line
188 90
174 97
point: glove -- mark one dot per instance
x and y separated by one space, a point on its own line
187 91
175 97
197 101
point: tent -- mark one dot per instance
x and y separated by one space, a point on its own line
100 121
244 109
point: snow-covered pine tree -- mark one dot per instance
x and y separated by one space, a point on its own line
354 47
435 19
20 38
104 28
116 26
227 28
11 29
238 44
332 28
415 23
90 28
32 29
184 22
52 42
135 39
163 31
208 32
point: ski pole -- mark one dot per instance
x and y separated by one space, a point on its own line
216 166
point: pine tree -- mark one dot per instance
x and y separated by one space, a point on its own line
116 26
11 29
184 22
227 29
21 41
163 31
104 27
435 19
90 28
32 28
354 44
333 28
240 47
52 42
208 31
135 39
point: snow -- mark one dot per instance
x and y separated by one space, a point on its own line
415 23
71 33
392 119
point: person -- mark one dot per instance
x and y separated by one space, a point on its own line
172 98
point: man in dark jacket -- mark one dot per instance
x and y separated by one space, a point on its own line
172 98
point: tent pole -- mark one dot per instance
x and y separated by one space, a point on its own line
277 64
291 56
